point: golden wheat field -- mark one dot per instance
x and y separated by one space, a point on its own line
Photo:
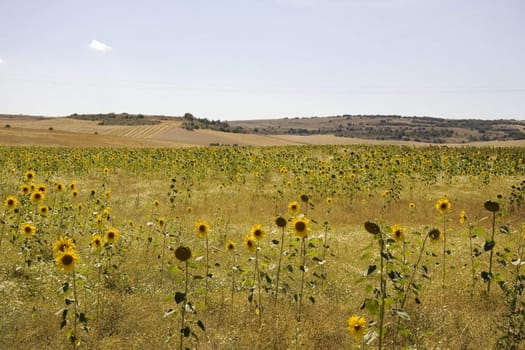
283 247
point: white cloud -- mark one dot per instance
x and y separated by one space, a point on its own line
1 61
99 46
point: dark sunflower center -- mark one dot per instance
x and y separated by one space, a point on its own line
294 207
111 235
10 202
28 229
257 233
202 228
300 226
67 259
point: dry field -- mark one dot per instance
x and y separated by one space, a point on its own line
169 133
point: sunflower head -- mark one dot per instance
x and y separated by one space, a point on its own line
372 227
443 206
62 244
305 198
250 243
462 217
398 233
183 253
43 209
301 227
230 245
30 175
37 197
294 207
25 189
202 228
491 206
67 259
27 230
96 242
434 234
59 186
356 327
11 202
257 232
112 235
412 205
329 200
161 222
280 221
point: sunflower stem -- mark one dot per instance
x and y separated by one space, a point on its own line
300 296
183 307
279 267
207 272
383 292
75 315
258 276
444 255
491 251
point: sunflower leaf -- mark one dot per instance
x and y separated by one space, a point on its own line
179 297
370 269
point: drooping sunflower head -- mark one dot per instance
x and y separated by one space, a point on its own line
112 235
27 230
443 206
250 243
67 259
11 202
372 227
257 232
491 206
434 234
398 233
301 227
202 228
294 207
62 244
356 327
96 242
230 245
183 253
280 222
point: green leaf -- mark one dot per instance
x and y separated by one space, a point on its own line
179 297
186 331
401 314
372 306
82 317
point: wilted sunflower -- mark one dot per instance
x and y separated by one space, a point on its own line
280 221
11 202
372 227
27 229
96 242
398 233
443 206
62 244
183 253
67 259
230 245
294 207
491 206
37 197
301 227
434 234
202 228
257 232
356 327
250 243
112 235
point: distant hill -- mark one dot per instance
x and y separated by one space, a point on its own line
159 130
390 127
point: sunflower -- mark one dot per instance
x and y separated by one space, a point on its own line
230 245
301 226
74 193
443 206
412 205
398 233
434 234
357 327
491 206
27 229
30 175
41 188
106 171
96 242
329 200
161 222
72 186
280 221
462 217
67 259
257 232
37 197
63 244
112 235
25 189
183 253
294 207
43 209
202 228
11 202
59 186
250 243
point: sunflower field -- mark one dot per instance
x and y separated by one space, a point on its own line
296 247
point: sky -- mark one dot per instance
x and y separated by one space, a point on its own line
255 59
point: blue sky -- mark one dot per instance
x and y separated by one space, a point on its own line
248 59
